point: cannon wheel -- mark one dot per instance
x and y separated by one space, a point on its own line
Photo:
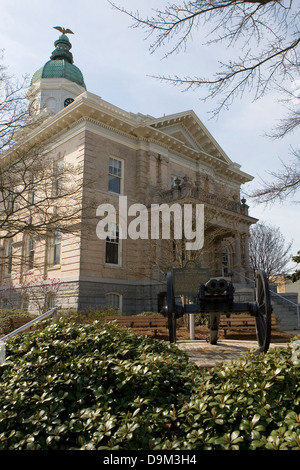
264 311
171 309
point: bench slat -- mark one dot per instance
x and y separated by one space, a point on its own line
139 322
19 321
242 322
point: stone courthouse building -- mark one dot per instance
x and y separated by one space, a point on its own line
169 159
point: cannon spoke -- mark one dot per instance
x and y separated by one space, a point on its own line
216 297
263 319
171 309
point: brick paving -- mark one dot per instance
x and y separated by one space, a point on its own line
207 355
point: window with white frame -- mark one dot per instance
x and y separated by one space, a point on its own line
226 262
10 201
30 252
57 177
32 190
9 257
115 175
5 303
55 248
25 302
112 249
114 300
50 300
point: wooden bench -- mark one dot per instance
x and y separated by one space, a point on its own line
242 322
143 321
17 322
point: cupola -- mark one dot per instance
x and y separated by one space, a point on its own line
59 81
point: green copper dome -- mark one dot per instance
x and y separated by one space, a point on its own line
60 64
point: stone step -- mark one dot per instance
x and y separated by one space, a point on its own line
285 311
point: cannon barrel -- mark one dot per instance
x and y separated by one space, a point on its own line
216 286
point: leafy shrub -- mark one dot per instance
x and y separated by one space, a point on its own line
74 386
146 314
88 315
5 317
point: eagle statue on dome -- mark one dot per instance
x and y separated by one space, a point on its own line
63 30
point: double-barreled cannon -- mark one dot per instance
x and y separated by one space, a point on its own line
216 286
216 297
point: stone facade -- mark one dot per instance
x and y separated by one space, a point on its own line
172 159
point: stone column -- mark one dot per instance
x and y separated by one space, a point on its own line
164 180
152 158
215 262
198 180
142 176
237 265
248 271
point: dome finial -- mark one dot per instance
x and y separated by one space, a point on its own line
63 30
61 61
62 46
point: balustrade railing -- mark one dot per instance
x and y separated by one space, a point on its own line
220 201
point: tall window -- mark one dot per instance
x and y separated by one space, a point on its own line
9 257
50 300
114 300
32 190
30 252
225 261
11 201
115 175
57 177
5 303
25 302
112 255
55 248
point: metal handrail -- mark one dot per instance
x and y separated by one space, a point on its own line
20 329
278 295
28 325
293 303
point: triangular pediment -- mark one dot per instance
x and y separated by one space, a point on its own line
179 132
188 129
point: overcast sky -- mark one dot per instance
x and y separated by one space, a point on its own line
116 63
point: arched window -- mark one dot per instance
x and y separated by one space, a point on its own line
25 302
5 303
114 300
51 105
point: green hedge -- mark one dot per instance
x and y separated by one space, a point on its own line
5 317
88 315
74 386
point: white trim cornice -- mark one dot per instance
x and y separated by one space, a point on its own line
139 128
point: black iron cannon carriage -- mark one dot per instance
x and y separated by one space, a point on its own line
215 297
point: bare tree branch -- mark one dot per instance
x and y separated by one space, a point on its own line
285 182
28 199
266 35
268 249
39 194
13 107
